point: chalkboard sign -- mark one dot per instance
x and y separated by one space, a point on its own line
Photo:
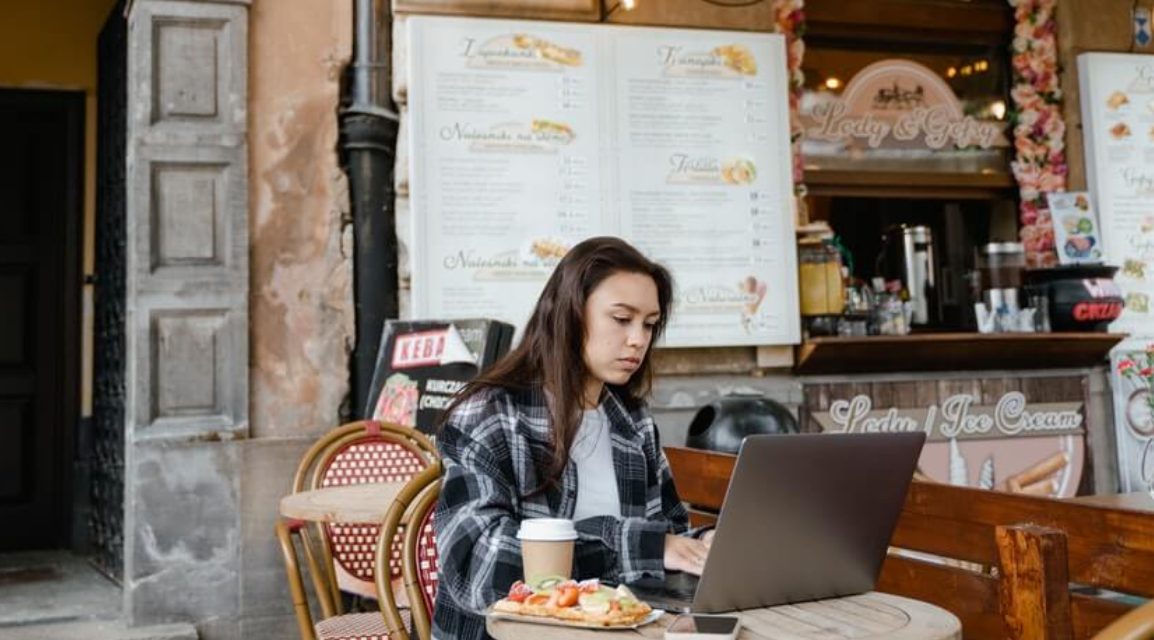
422 364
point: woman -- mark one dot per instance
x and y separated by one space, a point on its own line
559 429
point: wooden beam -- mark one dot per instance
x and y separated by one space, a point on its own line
1034 589
973 22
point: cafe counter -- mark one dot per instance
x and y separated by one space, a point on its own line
1025 413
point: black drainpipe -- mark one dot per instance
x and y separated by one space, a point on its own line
369 140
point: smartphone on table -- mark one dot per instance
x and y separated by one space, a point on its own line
692 626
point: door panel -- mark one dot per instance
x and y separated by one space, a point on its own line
39 208
14 325
15 432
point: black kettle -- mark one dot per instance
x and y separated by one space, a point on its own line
722 424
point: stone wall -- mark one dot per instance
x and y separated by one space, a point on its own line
187 321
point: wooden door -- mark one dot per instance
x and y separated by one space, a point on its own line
40 134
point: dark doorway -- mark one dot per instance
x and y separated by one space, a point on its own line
41 161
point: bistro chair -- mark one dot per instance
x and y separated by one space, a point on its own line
420 562
390 623
342 555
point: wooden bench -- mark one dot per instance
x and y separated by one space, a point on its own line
1006 561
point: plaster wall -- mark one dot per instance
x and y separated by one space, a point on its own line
302 327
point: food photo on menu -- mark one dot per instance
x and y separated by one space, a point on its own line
1075 227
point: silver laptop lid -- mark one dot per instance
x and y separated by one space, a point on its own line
806 517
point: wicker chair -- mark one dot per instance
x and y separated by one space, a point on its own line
389 623
342 555
420 562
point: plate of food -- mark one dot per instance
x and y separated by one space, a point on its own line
568 603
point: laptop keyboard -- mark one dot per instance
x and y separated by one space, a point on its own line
675 586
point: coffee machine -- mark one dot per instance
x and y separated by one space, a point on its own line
908 255
1001 266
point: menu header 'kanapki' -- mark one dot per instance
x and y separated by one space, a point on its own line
725 61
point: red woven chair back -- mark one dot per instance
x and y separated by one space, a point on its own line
427 566
374 458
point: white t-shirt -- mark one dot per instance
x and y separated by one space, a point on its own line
596 477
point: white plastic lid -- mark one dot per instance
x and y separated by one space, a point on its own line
547 529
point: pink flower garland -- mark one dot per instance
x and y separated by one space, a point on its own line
1039 131
790 18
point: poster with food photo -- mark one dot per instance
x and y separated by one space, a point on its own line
1117 99
1075 227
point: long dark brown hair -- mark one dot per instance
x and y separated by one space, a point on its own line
551 352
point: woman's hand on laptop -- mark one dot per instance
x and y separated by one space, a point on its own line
685 554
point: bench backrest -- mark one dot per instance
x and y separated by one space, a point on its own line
1003 562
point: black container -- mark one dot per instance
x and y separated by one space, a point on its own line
1082 297
722 424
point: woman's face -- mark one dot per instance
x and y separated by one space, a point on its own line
619 318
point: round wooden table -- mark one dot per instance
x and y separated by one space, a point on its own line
352 504
868 615
1134 501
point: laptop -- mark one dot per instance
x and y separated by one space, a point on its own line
806 517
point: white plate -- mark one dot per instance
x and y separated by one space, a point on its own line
554 622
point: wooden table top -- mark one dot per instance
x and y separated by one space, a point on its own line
351 504
1135 501
868 615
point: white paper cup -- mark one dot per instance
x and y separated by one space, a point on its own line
547 547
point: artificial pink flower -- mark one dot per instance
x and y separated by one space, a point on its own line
1023 94
1051 182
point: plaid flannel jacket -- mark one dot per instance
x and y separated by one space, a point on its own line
492 447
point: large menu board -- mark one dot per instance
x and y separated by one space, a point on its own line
1118 127
528 137
1117 93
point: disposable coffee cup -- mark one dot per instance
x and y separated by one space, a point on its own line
547 548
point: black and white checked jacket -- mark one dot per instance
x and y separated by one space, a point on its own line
492 447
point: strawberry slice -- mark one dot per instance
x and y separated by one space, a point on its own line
519 591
